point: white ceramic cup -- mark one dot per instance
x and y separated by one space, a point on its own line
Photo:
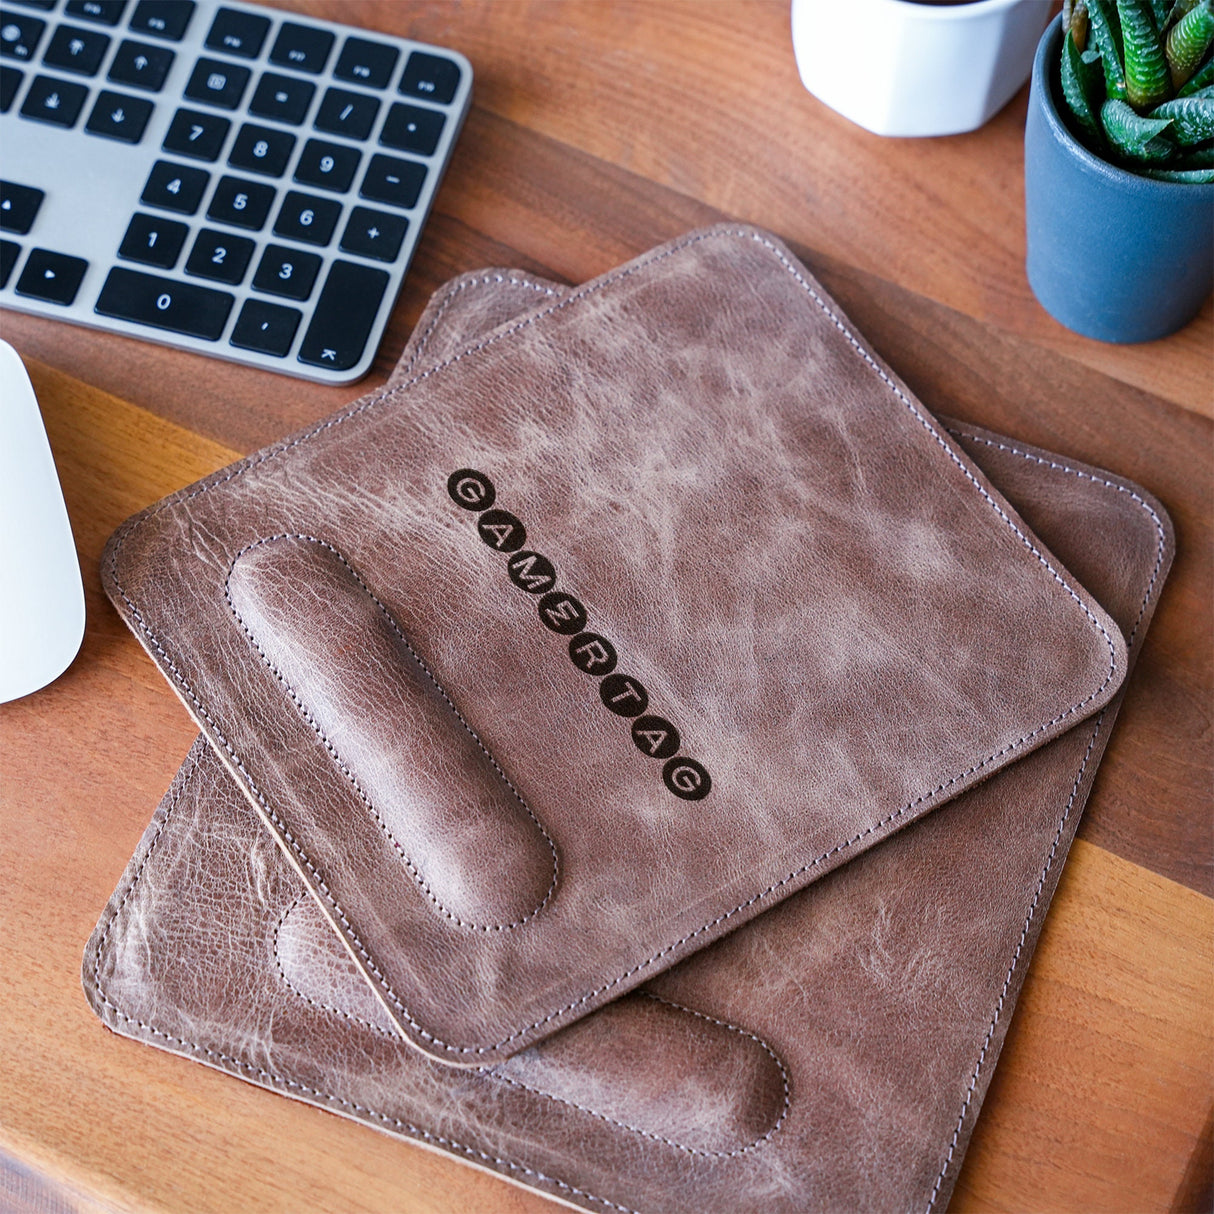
899 68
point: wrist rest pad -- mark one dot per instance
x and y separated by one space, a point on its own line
556 661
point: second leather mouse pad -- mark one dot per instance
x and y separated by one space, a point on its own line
571 653
831 1055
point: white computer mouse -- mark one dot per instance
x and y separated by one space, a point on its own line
41 594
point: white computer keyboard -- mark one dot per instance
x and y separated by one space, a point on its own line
230 179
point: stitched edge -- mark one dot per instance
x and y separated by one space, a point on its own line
1066 813
700 1152
498 335
463 284
358 788
491 1073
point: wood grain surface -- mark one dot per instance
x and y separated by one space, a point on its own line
597 131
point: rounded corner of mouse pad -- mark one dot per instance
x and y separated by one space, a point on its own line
671 579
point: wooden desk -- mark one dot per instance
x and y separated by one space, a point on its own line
598 131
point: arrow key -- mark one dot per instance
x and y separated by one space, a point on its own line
119 116
54 277
55 101
18 206
141 64
76 50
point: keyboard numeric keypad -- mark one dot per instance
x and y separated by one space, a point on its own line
244 204
194 133
217 83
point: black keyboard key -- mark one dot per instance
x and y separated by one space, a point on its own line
410 128
216 83
368 63
54 101
283 98
345 313
119 116
345 113
163 18
265 327
165 303
237 33
430 77
193 133
329 165
10 82
53 277
220 256
20 35
45 5
302 47
244 204
153 241
307 218
108 12
175 187
262 149
398 182
9 252
374 234
141 64
18 207
76 50
287 272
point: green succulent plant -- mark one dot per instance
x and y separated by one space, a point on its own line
1138 79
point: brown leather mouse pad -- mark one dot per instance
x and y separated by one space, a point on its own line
833 1054
576 650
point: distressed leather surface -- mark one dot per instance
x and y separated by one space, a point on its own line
845 624
832 1054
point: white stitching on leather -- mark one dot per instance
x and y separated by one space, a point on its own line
236 1064
358 788
567 301
324 1007
1066 813
494 1074
701 1152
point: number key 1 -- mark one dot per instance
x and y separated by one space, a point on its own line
220 256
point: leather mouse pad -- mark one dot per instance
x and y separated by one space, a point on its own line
574 651
832 1054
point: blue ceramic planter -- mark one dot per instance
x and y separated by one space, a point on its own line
1111 255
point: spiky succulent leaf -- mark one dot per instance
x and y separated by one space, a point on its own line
1188 41
1198 158
1081 86
1178 10
1134 136
1192 118
1194 176
1106 33
1146 66
1199 81
1075 22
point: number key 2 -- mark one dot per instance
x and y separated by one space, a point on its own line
220 256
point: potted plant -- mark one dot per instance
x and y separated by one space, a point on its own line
930 67
1119 166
